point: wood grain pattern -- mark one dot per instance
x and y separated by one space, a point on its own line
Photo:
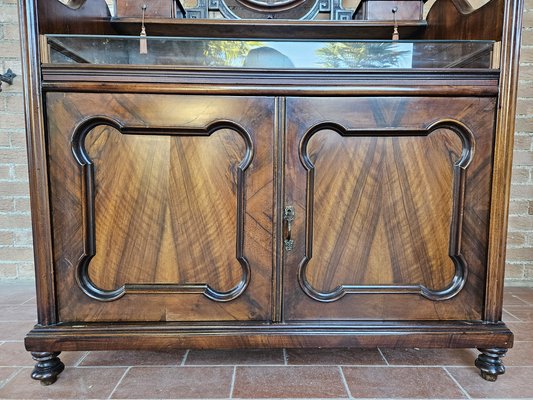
157 199
457 20
400 228
410 10
503 160
268 28
411 180
154 8
127 79
393 197
37 164
92 16
157 230
167 335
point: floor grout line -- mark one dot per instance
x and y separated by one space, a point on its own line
11 341
232 382
512 315
83 357
383 356
118 383
27 321
184 358
279 366
25 302
345 383
457 383
11 377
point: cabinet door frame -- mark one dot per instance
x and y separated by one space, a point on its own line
391 117
73 116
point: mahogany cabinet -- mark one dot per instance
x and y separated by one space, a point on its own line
177 204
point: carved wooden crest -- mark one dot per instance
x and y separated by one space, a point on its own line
270 9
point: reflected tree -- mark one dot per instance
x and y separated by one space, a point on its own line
229 53
361 55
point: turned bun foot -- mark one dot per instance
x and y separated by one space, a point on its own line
490 364
47 368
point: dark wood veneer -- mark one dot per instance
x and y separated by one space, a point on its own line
394 234
457 280
269 28
157 193
192 234
428 334
88 179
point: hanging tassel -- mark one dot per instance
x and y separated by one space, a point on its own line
395 33
143 44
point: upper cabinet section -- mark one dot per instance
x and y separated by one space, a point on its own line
295 19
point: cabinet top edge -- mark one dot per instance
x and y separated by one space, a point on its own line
226 81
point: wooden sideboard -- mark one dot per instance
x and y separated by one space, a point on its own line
178 207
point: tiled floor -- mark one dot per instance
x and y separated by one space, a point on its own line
291 373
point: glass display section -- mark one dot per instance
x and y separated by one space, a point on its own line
268 53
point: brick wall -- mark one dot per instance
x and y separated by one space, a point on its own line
15 227
520 237
16 257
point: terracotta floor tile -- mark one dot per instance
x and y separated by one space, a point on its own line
16 293
288 382
19 313
523 313
175 383
14 354
133 358
525 295
32 301
520 355
506 317
73 383
15 330
438 357
510 299
235 357
523 331
515 383
397 382
6 373
334 357
71 358
306 381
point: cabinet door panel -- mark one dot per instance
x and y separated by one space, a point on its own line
166 209
391 206
162 206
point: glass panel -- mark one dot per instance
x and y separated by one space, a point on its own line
281 54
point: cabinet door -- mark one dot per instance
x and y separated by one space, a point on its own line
161 206
391 201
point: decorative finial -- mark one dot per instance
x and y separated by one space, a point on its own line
395 33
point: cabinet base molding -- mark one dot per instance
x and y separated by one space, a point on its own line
161 336
47 368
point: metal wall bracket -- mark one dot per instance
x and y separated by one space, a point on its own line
8 77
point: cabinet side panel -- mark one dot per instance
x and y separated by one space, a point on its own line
503 158
37 166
